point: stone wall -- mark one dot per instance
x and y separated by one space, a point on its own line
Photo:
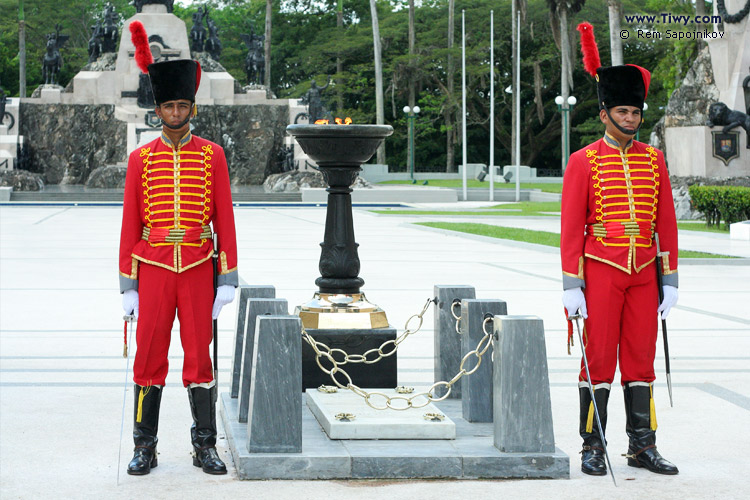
688 104
67 142
70 142
250 135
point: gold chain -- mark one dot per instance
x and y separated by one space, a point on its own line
457 317
395 402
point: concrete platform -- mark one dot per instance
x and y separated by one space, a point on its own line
470 455
61 365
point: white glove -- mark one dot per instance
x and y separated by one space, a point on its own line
224 295
670 299
130 302
573 300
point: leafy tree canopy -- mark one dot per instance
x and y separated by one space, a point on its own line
306 43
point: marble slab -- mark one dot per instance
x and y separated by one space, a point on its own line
476 389
447 341
369 423
245 293
274 423
255 308
522 405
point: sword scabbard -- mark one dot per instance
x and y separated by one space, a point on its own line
125 340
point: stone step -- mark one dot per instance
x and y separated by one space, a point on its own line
32 196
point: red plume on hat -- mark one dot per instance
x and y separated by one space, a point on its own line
139 38
591 61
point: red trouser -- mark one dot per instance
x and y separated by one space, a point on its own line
161 293
622 312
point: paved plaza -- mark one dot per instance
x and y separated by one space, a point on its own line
62 372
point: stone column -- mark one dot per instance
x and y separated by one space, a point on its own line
476 389
255 308
522 408
447 341
245 292
275 413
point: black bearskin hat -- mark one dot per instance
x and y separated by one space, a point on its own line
625 85
172 80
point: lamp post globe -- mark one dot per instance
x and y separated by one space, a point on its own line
411 113
564 106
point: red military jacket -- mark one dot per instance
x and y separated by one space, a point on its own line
173 195
613 202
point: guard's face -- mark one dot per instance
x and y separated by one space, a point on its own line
628 117
174 112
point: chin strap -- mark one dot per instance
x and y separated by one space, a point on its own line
175 127
193 112
617 125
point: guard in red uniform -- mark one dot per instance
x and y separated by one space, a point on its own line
176 189
616 198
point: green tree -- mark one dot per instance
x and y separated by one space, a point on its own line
41 17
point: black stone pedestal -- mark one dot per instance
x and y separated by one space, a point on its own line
382 374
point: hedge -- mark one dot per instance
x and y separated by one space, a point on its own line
721 203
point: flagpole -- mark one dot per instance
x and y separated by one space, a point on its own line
463 94
518 109
492 105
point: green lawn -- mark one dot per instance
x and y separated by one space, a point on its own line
505 233
522 208
473 183
701 226
537 237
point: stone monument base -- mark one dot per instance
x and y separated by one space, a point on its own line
352 341
690 153
471 455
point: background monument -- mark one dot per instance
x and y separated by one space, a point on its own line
717 76
83 133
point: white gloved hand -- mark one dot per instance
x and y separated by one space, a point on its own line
224 295
130 302
573 300
670 299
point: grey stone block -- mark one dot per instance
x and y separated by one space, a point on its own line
245 292
528 465
321 457
472 454
476 389
275 414
447 340
522 407
255 308
404 459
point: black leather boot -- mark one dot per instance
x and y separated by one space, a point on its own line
593 460
641 429
203 431
145 427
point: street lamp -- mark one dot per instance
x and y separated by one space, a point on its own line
564 107
411 114
638 133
